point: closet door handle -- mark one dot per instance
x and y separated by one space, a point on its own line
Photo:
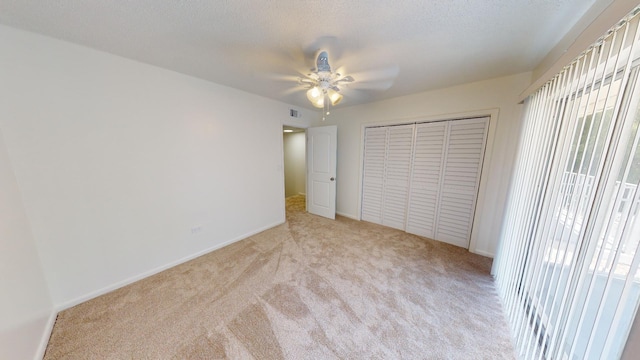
332 178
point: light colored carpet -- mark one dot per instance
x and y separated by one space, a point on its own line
312 288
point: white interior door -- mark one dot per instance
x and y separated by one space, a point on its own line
321 168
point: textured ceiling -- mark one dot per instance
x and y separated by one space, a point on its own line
261 46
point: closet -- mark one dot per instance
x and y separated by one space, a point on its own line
423 178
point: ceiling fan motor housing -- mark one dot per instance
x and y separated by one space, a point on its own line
323 62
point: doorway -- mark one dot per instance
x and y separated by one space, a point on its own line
295 168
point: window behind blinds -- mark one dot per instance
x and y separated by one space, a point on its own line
568 266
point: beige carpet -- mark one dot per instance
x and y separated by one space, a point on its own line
312 288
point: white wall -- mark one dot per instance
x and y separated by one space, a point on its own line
25 305
119 161
498 96
294 163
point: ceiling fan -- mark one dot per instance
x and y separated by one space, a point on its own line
323 85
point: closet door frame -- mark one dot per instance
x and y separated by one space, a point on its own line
485 214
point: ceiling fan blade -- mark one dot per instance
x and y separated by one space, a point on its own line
380 79
346 79
292 90
354 94
280 77
289 91
371 85
388 73
307 82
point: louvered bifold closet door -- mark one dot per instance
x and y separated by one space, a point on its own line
387 169
397 173
425 179
464 153
375 148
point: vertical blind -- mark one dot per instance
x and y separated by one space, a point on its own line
567 269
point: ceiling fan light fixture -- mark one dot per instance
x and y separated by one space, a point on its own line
323 85
334 96
316 97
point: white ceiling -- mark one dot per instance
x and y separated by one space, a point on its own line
261 46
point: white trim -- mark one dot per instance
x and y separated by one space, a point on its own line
350 216
428 118
46 335
482 187
358 217
483 253
291 123
159 269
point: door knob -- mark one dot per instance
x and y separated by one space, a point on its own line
332 179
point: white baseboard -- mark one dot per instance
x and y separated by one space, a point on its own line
119 284
46 335
483 253
350 216
479 252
